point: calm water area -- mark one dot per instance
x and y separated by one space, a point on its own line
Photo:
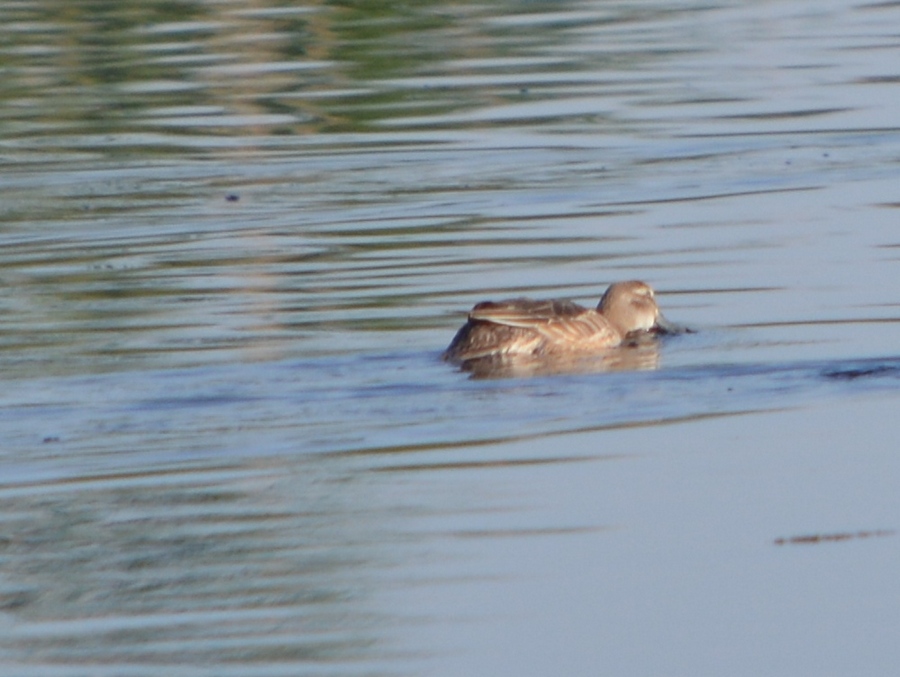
236 236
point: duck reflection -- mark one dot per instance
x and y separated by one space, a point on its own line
641 354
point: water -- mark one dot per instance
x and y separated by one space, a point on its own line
236 239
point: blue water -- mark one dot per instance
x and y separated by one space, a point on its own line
235 241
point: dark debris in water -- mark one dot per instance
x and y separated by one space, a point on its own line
863 372
811 539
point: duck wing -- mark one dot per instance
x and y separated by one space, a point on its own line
558 322
525 312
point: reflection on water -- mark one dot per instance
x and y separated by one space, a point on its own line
217 566
236 239
627 358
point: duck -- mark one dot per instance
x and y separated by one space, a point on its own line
523 327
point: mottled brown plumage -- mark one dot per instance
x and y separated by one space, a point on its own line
524 327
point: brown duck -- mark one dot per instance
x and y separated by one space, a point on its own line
525 327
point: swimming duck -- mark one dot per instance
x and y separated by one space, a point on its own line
525 327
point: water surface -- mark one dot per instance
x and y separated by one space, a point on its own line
236 239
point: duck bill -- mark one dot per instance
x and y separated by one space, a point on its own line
663 326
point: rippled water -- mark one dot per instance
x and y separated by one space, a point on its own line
236 238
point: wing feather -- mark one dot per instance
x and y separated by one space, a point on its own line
557 323
588 329
525 312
